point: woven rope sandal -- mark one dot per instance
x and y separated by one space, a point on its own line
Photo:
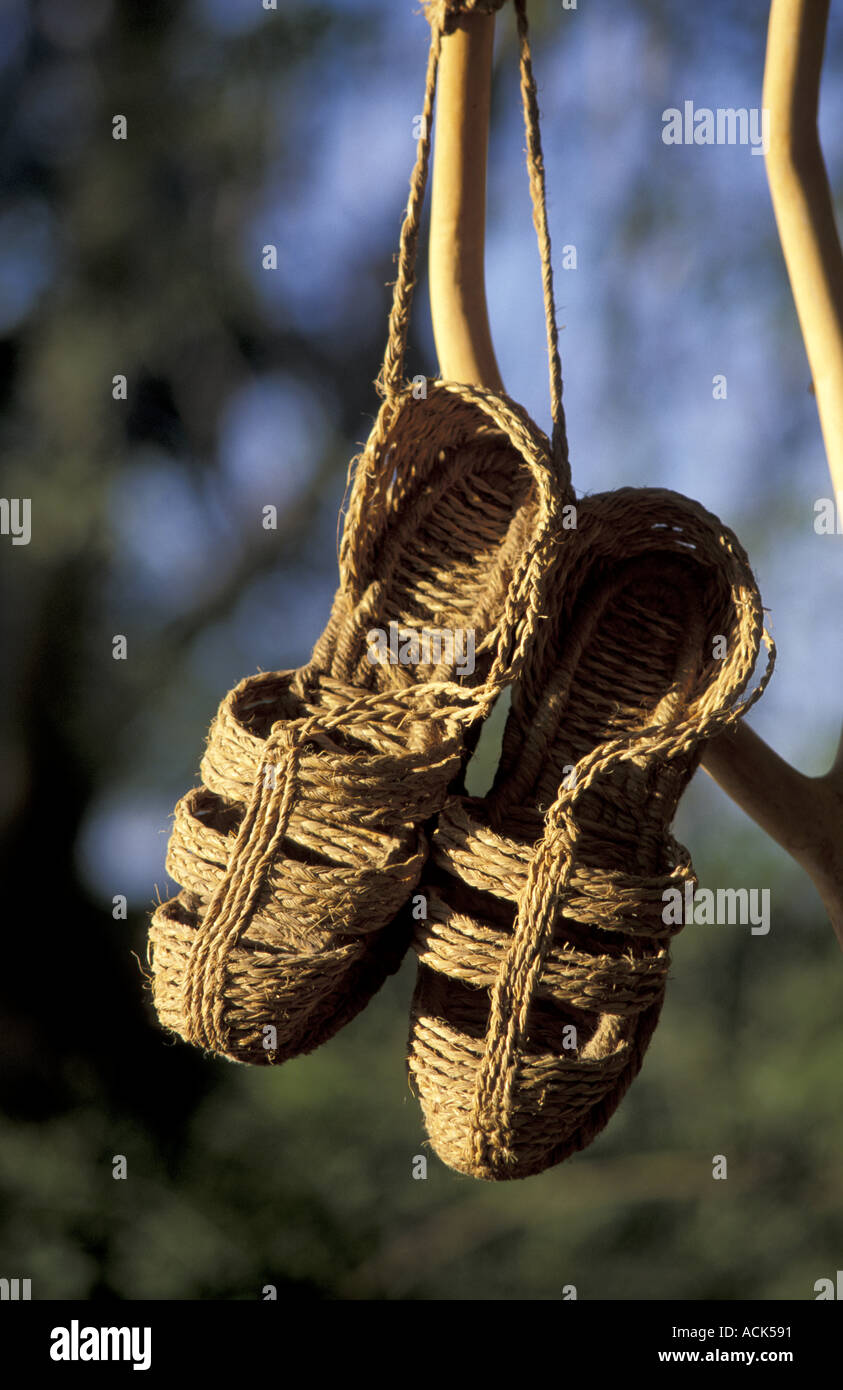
306 836
544 955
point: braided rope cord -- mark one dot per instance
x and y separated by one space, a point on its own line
443 15
230 909
538 193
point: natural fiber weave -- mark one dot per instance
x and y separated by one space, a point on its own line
306 836
545 900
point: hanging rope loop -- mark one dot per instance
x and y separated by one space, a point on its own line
538 194
443 16
390 381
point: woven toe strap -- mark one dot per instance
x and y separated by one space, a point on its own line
470 850
461 946
330 776
550 879
374 748
229 911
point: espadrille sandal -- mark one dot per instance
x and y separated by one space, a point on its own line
544 955
306 836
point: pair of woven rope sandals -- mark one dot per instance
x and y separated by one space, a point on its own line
333 796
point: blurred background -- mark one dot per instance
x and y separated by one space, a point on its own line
248 387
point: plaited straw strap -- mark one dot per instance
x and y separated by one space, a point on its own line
464 948
546 889
390 381
443 15
538 193
261 831
274 790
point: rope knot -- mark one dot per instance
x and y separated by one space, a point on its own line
445 14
